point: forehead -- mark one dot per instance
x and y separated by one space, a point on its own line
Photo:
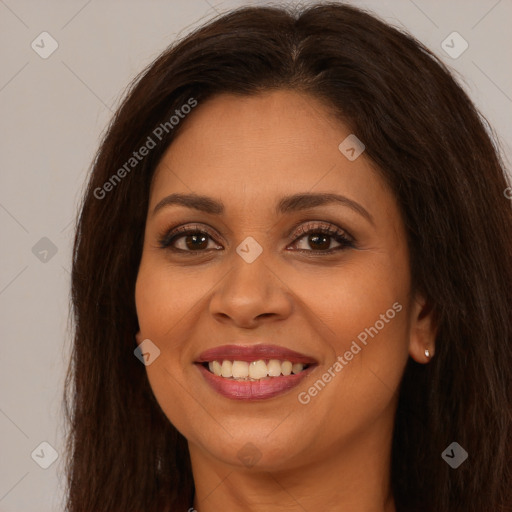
254 149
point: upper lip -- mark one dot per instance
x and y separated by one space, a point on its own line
253 353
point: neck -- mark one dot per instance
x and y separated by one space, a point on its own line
354 476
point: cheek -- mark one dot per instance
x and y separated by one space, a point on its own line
360 314
163 304
163 300
164 297
341 302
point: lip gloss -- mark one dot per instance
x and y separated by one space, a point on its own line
262 389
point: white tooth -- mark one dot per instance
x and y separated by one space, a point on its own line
274 368
286 367
240 369
258 369
297 367
217 368
210 366
227 369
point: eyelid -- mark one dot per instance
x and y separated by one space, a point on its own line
322 226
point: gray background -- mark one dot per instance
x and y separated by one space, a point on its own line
53 112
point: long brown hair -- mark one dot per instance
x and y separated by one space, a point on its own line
430 144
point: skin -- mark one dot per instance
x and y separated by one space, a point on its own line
334 452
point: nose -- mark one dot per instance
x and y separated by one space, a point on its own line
251 294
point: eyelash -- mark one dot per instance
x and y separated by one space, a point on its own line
169 237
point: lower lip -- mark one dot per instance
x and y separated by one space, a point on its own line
253 390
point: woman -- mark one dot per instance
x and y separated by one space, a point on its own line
292 281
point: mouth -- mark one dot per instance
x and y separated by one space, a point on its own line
253 372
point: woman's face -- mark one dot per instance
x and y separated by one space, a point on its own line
258 282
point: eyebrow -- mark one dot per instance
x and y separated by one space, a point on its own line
287 204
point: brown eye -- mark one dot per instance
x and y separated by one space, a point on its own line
195 242
190 240
318 239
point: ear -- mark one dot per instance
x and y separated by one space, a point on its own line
423 330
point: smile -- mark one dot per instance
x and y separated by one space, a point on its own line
254 372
